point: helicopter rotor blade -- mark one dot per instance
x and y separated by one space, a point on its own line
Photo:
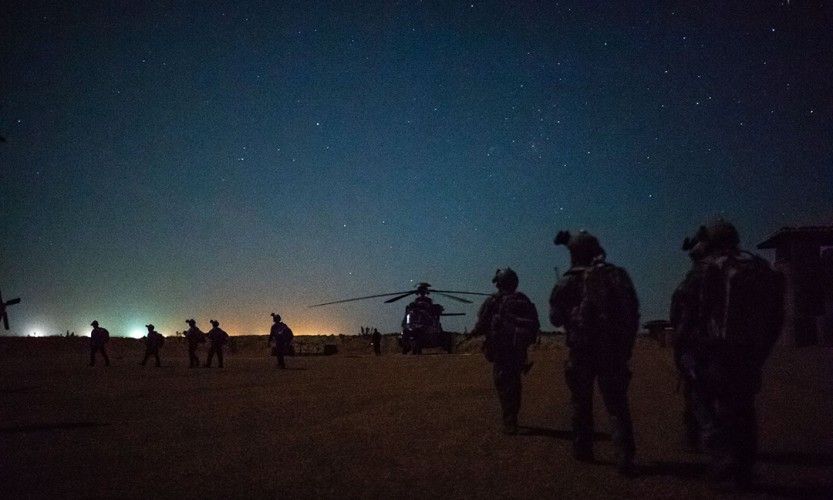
360 298
452 314
13 302
458 292
458 299
400 297
5 321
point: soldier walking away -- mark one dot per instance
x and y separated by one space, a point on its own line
376 339
509 321
727 314
194 336
281 335
692 433
153 341
597 305
98 340
217 338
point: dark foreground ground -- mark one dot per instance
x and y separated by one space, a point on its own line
353 425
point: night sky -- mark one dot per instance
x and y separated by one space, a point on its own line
169 160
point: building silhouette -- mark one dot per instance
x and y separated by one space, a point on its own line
805 256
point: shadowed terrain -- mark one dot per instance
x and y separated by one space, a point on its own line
353 424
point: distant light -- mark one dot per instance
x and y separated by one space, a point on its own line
35 331
136 333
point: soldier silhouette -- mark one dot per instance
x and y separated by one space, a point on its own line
509 320
376 338
596 303
727 314
281 335
217 338
194 337
153 341
98 340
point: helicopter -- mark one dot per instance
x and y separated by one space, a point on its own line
421 327
3 312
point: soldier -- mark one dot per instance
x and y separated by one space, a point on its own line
509 320
217 338
376 339
727 314
98 339
596 303
194 336
153 341
282 336
692 434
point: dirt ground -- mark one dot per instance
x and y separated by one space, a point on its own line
356 425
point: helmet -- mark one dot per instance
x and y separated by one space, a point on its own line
150 327
214 322
584 247
191 321
276 317
506 279
717 235
94 323
722 234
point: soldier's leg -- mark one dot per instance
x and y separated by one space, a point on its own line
691 427
145 359
507 378
736 458
104 355
579 376
158 362
210 357
220 357
280 355
613 384
748 445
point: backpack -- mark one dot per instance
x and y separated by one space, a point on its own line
160 340
609 308
743 304
516 321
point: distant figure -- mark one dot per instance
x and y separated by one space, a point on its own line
98 339
153 341
194 336
727 314
509 320
217 338
596 303
376 339
281 335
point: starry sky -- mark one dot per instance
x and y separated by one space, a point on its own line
169 160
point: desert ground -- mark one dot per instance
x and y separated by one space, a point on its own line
356 425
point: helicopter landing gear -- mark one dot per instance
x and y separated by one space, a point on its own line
449 344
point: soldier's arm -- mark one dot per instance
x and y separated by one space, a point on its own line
558 302
537 322
484 318
685 312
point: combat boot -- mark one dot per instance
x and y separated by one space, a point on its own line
625 465
583 453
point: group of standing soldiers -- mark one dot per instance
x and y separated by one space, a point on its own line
216 337
727 314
